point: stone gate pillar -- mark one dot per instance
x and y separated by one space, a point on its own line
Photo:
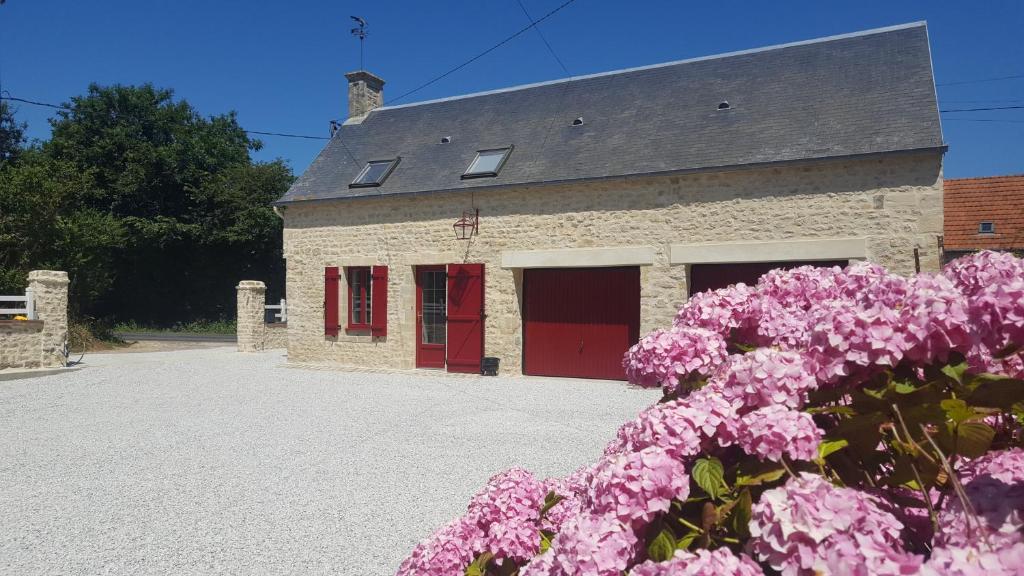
50 295
252 296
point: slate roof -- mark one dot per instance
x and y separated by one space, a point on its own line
970 201
862 93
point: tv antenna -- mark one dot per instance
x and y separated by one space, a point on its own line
360 33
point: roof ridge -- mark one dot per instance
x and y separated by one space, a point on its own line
1021 175
820 40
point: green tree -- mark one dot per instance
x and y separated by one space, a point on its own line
156 210
12 134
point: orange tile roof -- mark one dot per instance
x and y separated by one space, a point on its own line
970 201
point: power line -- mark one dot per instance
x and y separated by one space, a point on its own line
286 135
983 109
565 85
63 107
980 80
482 54
545 40
34 103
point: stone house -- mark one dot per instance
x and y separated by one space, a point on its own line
550 225
983 214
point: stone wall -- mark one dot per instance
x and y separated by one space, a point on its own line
50 289
41 342
254 334
890 204
252 295
21 344
275 336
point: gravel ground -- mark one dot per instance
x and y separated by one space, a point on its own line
212 462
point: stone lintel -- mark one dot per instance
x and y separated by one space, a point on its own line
579 257
769 251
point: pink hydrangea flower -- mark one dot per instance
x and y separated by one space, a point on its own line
784 326
635 487
981 359
571 490
718 562
809 525
587 546
976 560
866 283
507 512
934 320
851 340
774 431
666 357
800 288
682 428
767 377
730 312
994 485
447 551
997 314
975 272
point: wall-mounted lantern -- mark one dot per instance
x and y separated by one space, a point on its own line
467 226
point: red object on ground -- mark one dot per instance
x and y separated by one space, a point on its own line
579 322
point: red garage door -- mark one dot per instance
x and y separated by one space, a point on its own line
578 322
704 277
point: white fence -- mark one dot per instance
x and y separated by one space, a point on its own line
282 310
28 308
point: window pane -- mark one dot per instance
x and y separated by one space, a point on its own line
374 172
368 294
433 321
487 161
357 301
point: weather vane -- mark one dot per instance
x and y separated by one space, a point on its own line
360 33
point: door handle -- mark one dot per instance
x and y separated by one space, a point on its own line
581 345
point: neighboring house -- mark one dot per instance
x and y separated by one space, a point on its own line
604 201
983 214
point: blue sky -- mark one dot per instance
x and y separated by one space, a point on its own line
280 65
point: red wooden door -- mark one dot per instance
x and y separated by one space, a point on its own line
465 317
579 322
430 316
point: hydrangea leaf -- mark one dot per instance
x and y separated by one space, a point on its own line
662 547
479 565
685 542
1002 393
831 446
545 541
758 479
955 371
550 501
739 516
973 439
956 409
709 474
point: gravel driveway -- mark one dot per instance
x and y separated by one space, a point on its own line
213 462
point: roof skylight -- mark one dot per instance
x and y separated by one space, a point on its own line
487 163
374 173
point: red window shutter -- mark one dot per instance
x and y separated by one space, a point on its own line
331 301
379 312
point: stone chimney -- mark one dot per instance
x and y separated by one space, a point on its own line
365 92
